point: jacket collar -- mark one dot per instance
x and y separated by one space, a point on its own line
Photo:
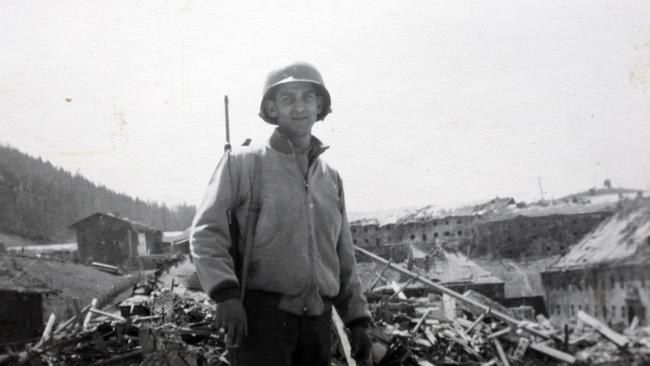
280 142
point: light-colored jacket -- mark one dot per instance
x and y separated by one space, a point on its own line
302 248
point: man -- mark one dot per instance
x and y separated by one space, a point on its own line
301 257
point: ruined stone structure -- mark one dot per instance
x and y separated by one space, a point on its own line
614 294
527 237
606 274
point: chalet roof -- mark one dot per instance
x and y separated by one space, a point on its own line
624 238
135 225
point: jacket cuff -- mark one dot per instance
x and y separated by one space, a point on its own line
224 293
359 323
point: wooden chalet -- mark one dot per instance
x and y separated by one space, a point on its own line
109 239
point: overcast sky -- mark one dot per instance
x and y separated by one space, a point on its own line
441 102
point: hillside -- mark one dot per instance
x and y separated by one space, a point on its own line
63 282
39 201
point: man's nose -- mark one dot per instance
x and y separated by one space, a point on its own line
299 105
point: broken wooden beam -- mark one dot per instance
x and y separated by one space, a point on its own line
419 323
89 314
501 352
499 333
526 326
73 319
108 315
343 338
616 338
550 351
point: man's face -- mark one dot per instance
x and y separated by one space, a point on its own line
295 108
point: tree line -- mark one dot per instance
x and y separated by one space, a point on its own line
39 201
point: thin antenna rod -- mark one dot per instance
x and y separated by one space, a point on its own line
225 102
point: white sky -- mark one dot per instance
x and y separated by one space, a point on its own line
434 102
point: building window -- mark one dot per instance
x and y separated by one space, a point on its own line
579 307
365 229
424 237
623 312
354 241
365 241
459 221
447 222
435 223
604 311
354 230
587 309
460 233
612 282
613 311
446 233
412 237
377 242
435 235
622 283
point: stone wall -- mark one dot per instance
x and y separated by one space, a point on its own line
525 237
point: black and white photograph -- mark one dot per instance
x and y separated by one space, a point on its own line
328 183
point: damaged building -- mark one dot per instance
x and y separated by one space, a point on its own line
499 228
107 238
607 273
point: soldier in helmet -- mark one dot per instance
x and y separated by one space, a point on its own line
301 259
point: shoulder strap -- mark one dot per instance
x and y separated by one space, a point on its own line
251 222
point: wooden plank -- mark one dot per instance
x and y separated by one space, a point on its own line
549 351
47 333
419 323
68 322
617 338
501 352
108 315
89 315
499 333
343 338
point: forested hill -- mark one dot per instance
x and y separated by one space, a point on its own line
39 201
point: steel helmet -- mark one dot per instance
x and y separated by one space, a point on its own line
299 71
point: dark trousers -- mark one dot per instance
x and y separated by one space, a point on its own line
278 338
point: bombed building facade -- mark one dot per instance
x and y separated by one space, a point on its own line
500 228
606 274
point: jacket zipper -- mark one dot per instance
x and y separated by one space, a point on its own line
310 244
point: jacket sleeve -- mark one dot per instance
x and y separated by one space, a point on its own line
210 239
350 302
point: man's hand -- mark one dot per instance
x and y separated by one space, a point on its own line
360 345
232 317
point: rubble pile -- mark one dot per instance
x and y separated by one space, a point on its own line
160 326
448 328
156 327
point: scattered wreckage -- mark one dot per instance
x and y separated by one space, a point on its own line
159 326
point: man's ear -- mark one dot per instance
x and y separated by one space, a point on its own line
319 104
271 111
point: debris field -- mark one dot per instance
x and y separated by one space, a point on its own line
160 326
